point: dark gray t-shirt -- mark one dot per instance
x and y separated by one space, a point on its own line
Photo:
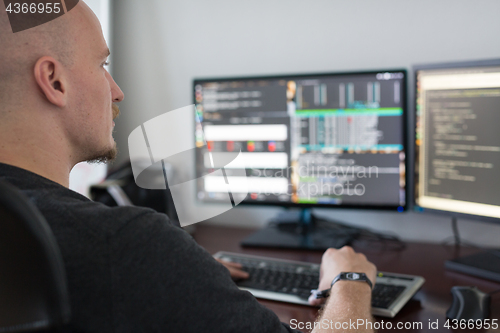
130 270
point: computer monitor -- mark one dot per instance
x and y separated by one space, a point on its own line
458 147
332 140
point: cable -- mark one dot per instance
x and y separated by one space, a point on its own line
454 227
459 242
452 240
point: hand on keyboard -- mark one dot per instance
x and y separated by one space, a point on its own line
335 261
234 269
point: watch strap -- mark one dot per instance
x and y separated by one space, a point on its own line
352 276
344 276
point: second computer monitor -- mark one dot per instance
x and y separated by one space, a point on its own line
307 140
457 138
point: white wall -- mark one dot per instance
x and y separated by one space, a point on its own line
160 46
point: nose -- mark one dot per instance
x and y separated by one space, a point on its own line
116 93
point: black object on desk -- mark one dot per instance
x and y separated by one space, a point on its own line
469 303
301 230
485 265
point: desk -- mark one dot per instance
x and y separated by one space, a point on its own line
427 260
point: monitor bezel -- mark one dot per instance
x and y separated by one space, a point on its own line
405 117
437 66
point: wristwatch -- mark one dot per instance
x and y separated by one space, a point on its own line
351 276
344 276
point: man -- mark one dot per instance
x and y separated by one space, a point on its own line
128 268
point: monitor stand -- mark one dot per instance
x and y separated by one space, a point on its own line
300 229
485 265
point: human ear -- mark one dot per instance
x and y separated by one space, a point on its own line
49 77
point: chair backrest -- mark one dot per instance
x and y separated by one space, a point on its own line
33 290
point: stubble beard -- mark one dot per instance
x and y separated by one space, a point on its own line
108 155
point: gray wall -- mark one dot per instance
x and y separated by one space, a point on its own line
160 46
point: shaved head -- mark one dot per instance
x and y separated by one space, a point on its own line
21 50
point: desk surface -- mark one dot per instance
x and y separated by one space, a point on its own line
426 260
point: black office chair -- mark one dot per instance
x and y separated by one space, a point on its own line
33 290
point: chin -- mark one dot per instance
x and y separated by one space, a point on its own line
104 156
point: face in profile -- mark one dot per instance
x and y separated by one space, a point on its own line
93 93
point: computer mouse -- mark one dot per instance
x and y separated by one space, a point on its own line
469 303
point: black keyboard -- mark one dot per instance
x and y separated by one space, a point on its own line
292 281
279 278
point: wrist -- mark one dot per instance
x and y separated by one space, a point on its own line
352 296
349 286
347 292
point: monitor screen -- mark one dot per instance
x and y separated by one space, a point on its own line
457 138
307 140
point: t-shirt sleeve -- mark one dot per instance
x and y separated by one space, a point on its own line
163 281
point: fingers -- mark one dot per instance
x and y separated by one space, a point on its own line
229 263
346 248
316 301
237 273
234 269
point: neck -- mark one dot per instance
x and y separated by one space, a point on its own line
36 147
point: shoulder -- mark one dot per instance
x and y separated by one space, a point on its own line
66 209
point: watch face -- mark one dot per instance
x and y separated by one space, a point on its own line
353 276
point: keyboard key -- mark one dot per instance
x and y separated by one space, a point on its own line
383 295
